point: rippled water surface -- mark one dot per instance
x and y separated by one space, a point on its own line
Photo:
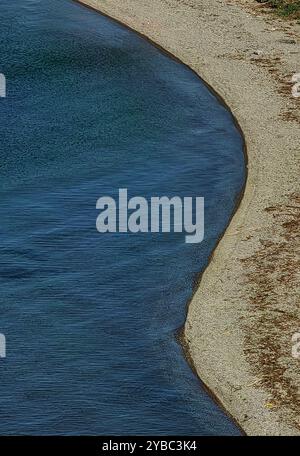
91 319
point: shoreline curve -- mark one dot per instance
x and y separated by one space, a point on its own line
231 376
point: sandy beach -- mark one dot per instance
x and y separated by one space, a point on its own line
241 319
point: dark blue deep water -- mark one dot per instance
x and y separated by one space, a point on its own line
91 319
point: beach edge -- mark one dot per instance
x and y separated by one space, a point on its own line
215 332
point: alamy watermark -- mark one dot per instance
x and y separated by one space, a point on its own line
2 86
159 214
2 346
296 345
296 86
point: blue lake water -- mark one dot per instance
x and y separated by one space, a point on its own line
91 319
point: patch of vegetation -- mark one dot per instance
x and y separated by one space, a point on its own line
272 276
285 8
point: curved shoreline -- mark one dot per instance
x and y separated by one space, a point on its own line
216 336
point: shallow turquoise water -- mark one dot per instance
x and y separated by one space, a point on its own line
91 319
